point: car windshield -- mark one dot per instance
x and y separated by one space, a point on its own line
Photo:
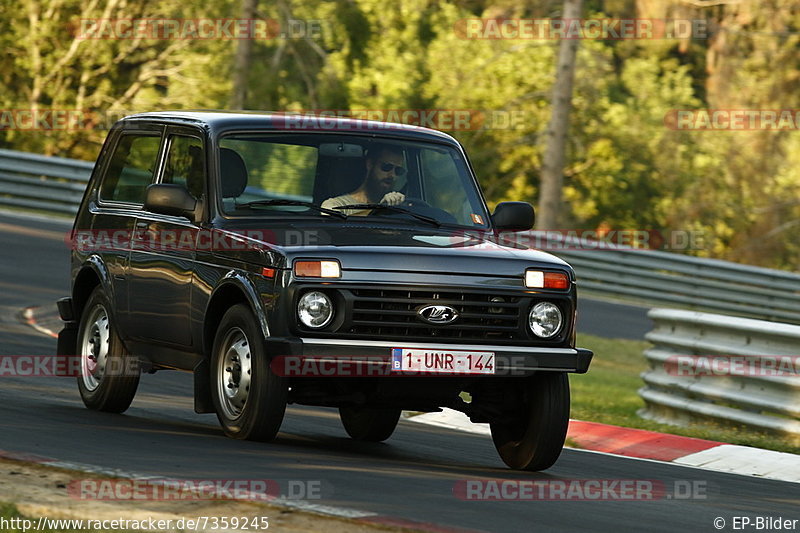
322 175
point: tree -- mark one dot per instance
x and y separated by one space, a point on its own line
51 63
243 61
552 176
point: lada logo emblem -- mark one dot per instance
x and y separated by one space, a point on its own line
438 314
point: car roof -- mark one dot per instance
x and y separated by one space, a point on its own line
216 122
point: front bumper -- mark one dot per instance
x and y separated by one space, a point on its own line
509 360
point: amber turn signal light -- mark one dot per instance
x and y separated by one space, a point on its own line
536 279
317 269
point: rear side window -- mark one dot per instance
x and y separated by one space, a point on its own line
131 169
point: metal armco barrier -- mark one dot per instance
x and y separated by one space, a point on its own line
733 371
51 184
680 280
56 184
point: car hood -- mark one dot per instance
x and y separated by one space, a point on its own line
389 248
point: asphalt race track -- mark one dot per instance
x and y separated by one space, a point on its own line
411 476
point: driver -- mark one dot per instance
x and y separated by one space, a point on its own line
383 163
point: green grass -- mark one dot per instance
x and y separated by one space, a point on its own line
608 394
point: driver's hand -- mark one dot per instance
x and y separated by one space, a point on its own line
393 198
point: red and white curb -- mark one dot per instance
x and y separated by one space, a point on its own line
641 444
29 315
299 505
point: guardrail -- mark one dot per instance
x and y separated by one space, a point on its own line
56 184
733 371
53 184
680 280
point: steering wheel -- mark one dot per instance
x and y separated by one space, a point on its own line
415 202
422 207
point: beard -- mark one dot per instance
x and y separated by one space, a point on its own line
376 188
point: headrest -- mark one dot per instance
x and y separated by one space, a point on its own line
337 176
233 173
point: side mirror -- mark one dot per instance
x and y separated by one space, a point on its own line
513 216
170 199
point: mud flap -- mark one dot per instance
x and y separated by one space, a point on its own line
202 389
68 336
68 339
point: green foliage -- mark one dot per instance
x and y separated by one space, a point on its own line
49 66
626 168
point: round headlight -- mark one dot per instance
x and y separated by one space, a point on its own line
315 309
545 319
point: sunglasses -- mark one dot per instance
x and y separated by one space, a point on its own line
398 170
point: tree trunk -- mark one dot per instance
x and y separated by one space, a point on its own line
242 60
552 176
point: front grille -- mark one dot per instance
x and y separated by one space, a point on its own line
393 313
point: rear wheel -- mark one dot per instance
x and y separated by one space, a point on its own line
532 437
250 400
369 424
109 375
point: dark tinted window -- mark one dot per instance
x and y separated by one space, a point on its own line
274 169
325 169
185 164
131 169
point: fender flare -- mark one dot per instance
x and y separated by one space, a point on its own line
244 285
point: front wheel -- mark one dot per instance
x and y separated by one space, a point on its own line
250 399
533 435
109 375
370 424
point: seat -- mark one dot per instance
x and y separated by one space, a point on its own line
336 176
233 173
196 175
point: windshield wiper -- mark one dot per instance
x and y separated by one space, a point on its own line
397 209
283 201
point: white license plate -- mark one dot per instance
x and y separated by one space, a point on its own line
446 361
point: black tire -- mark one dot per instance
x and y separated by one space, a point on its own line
369 424
109 375
250 399
535 435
